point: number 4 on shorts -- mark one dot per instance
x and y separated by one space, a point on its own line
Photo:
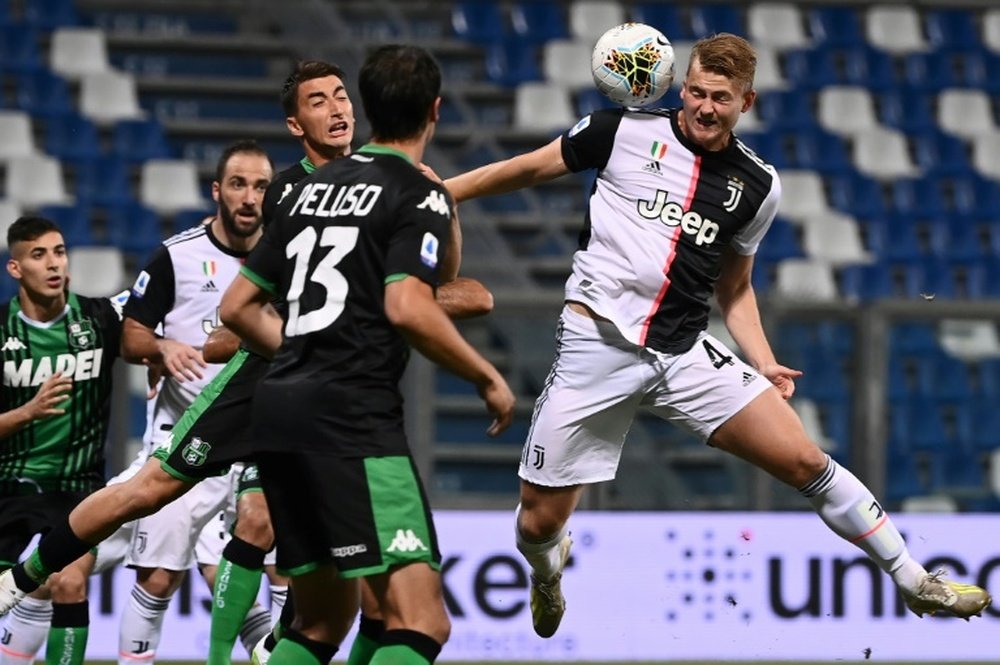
717 358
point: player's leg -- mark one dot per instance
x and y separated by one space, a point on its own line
326 604
241 566
371 626
25 628
577 432
67 642
416 622
278 587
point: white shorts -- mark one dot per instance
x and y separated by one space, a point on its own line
598 382
167 539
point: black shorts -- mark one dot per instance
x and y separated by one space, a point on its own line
249 481
214 432
21 517
363 514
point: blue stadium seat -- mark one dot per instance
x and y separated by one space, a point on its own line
135 229
821 151
917 198
905 479
930 72
894 241
475 477
781 242
708 19
951 28
101 180
19 52
71 136
42 94
186 219
988 371
511 62
869 67
74 221
140 140
866 283
838 26
667 18
589 100
914 337
925 423
810 69
538 21
50 14
824 377
909 111
194 64
156 22
943 378
856 195
940 155
478 21
790 110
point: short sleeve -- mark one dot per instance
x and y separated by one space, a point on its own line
152 293
420 234
263 266
749 237
589 143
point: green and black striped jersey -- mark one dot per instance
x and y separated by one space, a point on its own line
63 452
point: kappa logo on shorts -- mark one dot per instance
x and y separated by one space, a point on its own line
351 550
195 452
406 541
748 378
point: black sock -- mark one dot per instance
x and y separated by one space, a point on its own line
61 547
322 651
423 644
371 628
244 554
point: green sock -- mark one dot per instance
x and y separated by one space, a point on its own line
292 653
362 650
66 646
234 594
397 654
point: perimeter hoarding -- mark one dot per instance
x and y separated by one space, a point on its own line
659 586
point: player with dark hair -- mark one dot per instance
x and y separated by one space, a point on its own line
58 350
678 210
366 238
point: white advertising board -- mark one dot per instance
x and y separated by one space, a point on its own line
657 586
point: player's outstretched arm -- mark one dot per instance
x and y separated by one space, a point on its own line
464 298
246 310
45 403
410 306
509 175
738 303
142 346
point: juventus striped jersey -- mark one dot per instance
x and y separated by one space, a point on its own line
661 212
179 292
62 452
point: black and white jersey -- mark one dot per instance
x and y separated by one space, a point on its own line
178 294
353 226
661 212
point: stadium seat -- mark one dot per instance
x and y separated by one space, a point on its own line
938 155
820 151
916 199
805 280
41 93
836 26
478 21
931 72
895 28
970 339
914 337
50 14
97 271
985 155
538 22
567 63
780 242
101 180
16 135
952 28
589 19
812 423
134 229
866 283
19 48
75 52
991 29
590 100
768 76
667 18
803 196
869 67
966 113
856 195
542 107
883 154
109 97
71 136
139 140
708 19
776 24
835 240
846 110
510 62
168 185
74 221
35 180
9 211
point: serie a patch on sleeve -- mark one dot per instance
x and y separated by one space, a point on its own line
429 250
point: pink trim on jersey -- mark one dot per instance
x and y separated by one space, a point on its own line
695 174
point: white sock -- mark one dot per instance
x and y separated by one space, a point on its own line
255 626
543 557
141 624
852 512
25 631
279 596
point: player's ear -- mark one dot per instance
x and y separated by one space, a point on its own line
436 110
294 127
749 97
14 268
215 191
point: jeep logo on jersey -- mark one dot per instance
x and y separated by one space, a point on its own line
435 202
30 372
323 199
195 452
672 214
81 334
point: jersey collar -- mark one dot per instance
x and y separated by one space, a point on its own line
373 149
307 165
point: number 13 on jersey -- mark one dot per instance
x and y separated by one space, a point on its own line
341 240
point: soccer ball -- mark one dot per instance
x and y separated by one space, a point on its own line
633 64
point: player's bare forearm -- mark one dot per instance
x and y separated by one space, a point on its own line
221 345
246 310
511 174
452 262
464 298
139 343
738 304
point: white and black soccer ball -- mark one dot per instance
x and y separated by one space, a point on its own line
633 64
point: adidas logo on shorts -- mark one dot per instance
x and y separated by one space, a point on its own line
406 541
748 378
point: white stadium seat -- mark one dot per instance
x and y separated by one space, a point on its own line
776 24
834 239
75 52
965 113
542 107
589 19
97 271
16 136
846 110
170 185
883 154
802 196
986 154
805 280
107 97
35 180
567 62
895 28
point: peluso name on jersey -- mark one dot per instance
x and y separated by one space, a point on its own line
672 214
30 372
322 199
